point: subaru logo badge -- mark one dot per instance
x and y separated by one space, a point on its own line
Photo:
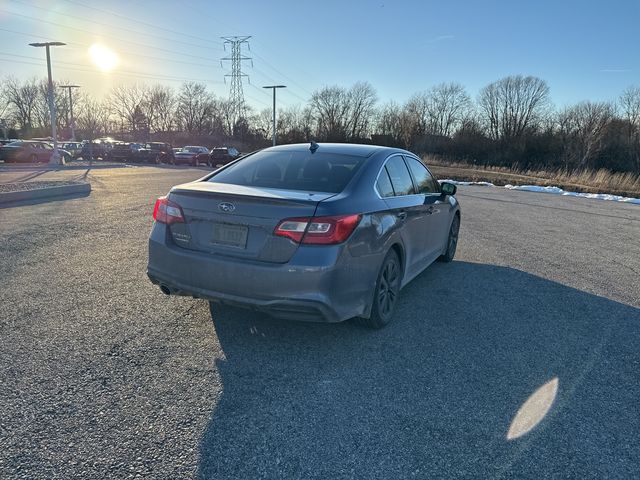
226 207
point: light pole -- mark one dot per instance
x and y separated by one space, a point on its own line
72 123
273 87
55 158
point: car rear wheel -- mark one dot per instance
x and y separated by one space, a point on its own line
452 241
386 293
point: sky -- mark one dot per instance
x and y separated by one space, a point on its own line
585 50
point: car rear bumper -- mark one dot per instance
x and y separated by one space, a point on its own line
178 160
330 287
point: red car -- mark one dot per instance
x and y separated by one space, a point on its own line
192 155
30 151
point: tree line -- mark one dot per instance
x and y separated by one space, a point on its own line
511 122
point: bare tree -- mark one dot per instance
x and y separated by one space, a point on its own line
128 104
342 114
330 107
160 107
630 105
22 100
418 110
196 107
583 127
396 124
513 106
361 100
447 107
263 123
92 118
295 124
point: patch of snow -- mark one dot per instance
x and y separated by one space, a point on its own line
555 190
457 182
559 191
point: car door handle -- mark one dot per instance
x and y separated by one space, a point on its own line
402 215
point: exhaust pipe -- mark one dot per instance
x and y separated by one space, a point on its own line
166 290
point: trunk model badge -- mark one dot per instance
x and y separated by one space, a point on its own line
226 207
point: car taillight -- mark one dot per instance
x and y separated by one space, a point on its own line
165 211
318 230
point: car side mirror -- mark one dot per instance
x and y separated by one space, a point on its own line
448 188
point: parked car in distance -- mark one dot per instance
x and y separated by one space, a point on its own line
223 155
74 148
124 152
96 149
155 152
306 232
192 155
29 151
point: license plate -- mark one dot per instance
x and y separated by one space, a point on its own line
230 235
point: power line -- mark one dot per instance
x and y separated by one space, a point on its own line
181 54
105 36
141 22
32 35
61 65
109 25
280 73
129 53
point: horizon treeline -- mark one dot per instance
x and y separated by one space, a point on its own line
512 122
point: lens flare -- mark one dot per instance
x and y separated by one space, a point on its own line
534 409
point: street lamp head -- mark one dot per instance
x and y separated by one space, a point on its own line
275 86
47 44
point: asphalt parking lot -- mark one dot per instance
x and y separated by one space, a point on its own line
105 377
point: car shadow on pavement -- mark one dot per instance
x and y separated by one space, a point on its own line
435 393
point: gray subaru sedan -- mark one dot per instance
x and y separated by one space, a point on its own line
307 232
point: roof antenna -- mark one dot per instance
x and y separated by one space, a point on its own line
314 146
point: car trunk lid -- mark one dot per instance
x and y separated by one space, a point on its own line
238 221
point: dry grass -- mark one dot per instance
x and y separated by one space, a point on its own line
589 181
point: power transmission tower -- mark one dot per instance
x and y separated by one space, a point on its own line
236 95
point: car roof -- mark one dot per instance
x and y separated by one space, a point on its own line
358 150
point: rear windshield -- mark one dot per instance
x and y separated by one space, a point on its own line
292 170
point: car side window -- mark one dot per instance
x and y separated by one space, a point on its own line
425 183
383 185
400 177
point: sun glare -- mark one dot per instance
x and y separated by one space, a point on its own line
103 57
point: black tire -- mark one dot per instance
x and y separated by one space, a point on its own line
67 158
452 240
386 294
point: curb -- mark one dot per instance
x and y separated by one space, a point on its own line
56 168
48 192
